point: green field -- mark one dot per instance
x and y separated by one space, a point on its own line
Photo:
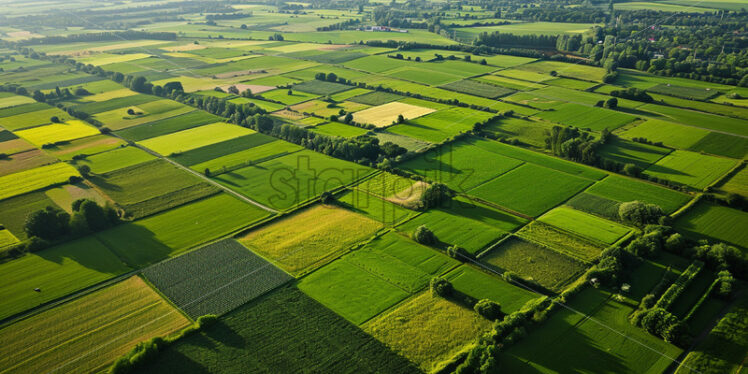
283 97
308 239
698 119
533 262
195 137
561 241
169 125
627 152
215 279
530 189
118 316
57 271
690 168
627 189
58 132
276 328
119 119
339 129
440 125
584 224
13 211
149 240
480 285
595 204
585 117
715 222
116 159
35 179
24 160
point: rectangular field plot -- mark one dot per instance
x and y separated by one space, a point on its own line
282 96
577 71
340 130
151 187
625 152
536 263
461 165
275 329
308 239
569 342
376 98
84 146
119 119
195 137
738 183
117 316
530 189
35 179
215 279
287 181
57 132
427 329
116 159
57 271
722 145
627 189
561 241
154 238
376 208
586 225
65 195
31 119
669 133
594 204
23 161
698 119
438 126
586 117
715 222
169 125
479 224
386 114
14 100
253 155
116 103
481 285
319 87
690 168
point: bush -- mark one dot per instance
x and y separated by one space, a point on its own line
54 119
638 213
441 287
206 320
49 223
488 309
425 236
458 253
435 195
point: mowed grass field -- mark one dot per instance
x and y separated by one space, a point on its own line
427 329
195 137
35 179
385 114
277 328
308 239
715 222
70 337
57 271
584 224
690 168
530 189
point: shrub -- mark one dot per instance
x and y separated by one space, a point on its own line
639 213
458 253
435 195
425 236
54 119
49 223
488 309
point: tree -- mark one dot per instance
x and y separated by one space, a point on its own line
38 96
85 170
49 223
332 77
131 111
632 170
400 118
233 90
435 194
289 93
348 118
425 236
458 253
441 287
94 215
611 103
489 309
639 213
80 91
320 76
54 119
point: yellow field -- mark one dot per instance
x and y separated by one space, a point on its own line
311 238
108 58
428 329
57 132
88 333
384 115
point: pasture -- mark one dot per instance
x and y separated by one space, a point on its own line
387 114
627 189
84 146
585 117
119 316
586 225
427 329
715 222
440 125
306 240
30 119
57 271
669 133
690 168
698 119
535 263
383 211
530 189
119 119
276 328
215 279
116 159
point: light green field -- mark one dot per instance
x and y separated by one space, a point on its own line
339 129
690 168
57 271
663 7
628 189
58 132
108 58
515 84
65 195
7 238
527 28
35 179
481 285
669 133
252 155
716 222
195 137
738 183
584 224
119 119
578 71
282 96
31 119
116 159
15 100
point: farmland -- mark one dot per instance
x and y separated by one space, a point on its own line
119 316
383 187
